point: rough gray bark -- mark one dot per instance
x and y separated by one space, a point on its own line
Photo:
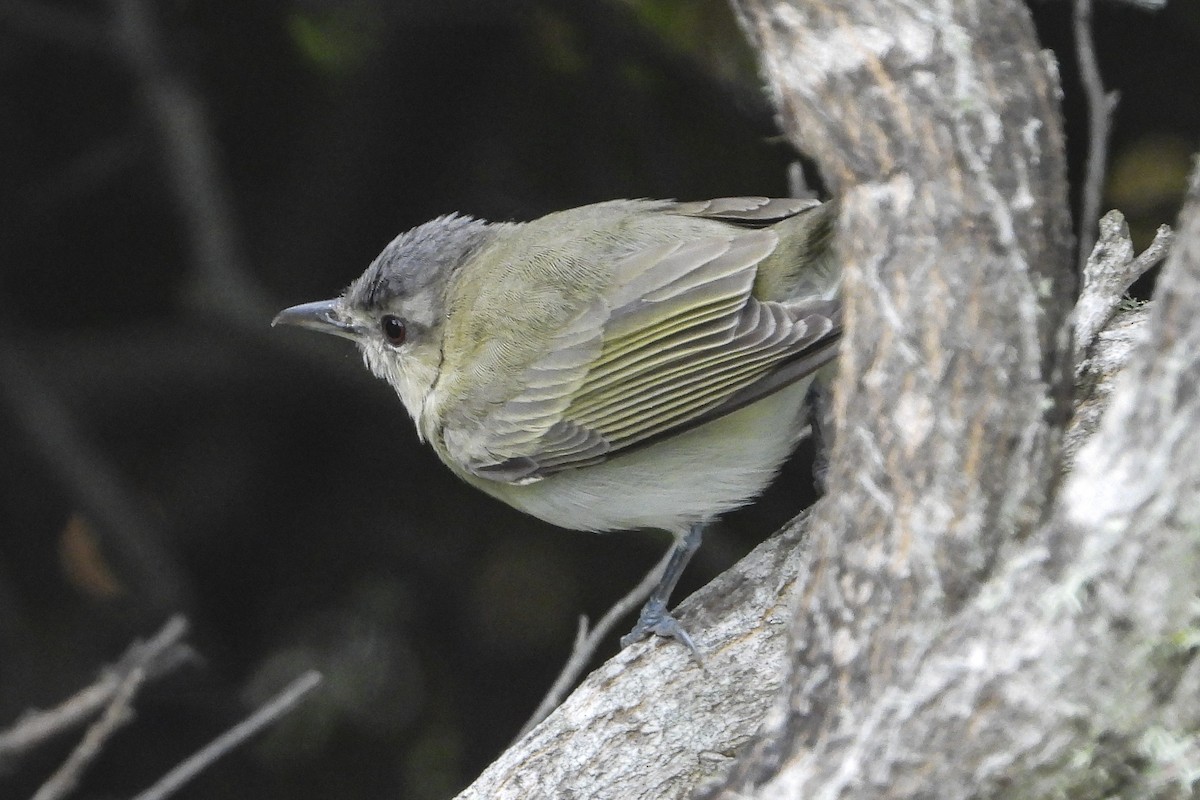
938 126
946 645
1072 672
957 630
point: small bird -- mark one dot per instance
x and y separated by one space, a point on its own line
627 364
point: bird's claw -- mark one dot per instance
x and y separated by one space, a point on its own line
655 620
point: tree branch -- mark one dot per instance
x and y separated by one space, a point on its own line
938 124
1110 270
587 642
1100 105
650 723
160 654
263 716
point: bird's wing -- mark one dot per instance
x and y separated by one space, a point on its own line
750 211
677 341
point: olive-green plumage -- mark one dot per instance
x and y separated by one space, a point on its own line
626 364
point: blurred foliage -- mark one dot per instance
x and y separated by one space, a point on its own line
337 40
703 31
1147 179
558 41
297 520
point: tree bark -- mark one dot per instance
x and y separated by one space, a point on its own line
958 628
947 645
1072 673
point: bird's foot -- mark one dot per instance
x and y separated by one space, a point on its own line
655 620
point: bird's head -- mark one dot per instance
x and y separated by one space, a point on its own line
395 310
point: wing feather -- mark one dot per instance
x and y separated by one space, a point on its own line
678 337
746 210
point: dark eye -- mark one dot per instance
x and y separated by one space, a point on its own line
393 330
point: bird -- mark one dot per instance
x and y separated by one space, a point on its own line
621 365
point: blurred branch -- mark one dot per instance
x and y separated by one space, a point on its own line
587 642
265 715
1144 5
221 277
113 691
116 715
95 483
1100 110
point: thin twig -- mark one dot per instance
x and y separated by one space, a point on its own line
116 715
160 654
1153 255
36 727
586 644
116 688
266 714
1100 109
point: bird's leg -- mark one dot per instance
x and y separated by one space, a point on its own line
655 619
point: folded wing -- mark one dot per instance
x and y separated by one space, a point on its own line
678 341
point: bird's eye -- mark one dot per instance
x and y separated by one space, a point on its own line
393 330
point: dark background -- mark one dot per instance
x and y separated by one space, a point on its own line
163 450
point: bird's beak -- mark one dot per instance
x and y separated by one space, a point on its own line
321 316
